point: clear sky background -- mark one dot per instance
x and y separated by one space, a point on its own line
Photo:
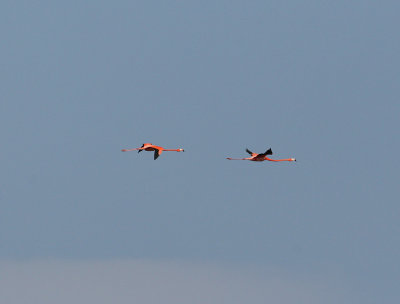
315 80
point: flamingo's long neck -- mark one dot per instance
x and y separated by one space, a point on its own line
279 160
177 150
126 150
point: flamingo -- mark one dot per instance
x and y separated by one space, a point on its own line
150 147
261 157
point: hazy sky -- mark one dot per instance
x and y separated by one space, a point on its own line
315 80
143 281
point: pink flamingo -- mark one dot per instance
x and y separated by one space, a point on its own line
261 157
150 147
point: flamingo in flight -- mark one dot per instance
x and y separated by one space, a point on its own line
150 147
261 157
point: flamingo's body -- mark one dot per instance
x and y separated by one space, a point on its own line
261 157
150 147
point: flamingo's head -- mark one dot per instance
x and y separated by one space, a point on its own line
293 159
181 150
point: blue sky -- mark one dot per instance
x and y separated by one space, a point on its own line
315 80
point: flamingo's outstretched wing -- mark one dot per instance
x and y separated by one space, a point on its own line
157 153
268 152
248 151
